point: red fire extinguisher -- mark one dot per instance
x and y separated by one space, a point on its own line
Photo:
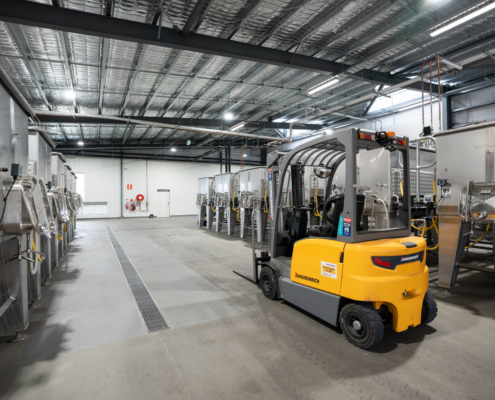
132 205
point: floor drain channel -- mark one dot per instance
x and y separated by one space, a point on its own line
150 313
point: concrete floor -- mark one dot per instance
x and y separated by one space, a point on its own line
87 341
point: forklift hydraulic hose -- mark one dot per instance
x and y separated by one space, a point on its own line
436 228
233 203
421 229
317 213
434 225
480 239
265 209
34 249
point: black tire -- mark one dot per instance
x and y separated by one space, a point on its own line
371 328
429 310
268 283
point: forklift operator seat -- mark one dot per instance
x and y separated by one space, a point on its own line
332 208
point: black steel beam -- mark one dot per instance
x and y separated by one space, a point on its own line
143 156
449 112
109 146
109 7
368 108
68 20
200 5
210 123
473 84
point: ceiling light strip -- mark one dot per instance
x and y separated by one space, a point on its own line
463 20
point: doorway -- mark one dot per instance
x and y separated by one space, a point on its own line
163 203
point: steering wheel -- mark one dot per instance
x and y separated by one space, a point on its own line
328 205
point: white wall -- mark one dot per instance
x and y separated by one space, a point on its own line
407 123
181 178
102 183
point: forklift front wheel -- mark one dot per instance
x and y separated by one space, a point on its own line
362 326
268 283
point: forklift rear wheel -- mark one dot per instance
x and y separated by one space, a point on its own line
268 283
429 311
362 326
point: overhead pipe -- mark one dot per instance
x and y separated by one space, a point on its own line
16 93
169 126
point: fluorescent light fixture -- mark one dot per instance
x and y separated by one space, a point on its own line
69 94
188 142
324 85
328 131
80 143
450 63
464 19
238 126
280 120
228 115
245 155
173 149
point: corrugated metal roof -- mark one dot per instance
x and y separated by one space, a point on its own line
147 80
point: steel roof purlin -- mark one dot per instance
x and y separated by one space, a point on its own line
183 60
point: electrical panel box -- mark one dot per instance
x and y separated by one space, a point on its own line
16 170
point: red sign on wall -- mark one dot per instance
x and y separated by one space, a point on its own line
129 186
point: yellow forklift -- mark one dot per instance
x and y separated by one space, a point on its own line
359 267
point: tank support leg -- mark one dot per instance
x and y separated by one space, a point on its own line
19 337
454 235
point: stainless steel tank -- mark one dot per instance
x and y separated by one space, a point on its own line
203 202
226 185
465 166
39 166
76 198
253 194
13 269
59 205
70 201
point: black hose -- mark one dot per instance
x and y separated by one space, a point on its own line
5 200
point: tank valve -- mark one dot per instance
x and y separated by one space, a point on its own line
405 293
